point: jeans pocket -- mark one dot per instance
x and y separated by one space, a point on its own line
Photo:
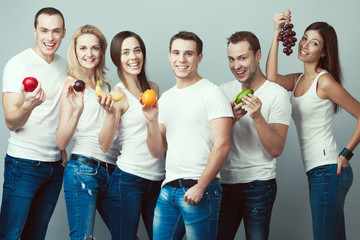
346 178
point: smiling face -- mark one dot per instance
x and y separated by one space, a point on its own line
243 62
132 58
48 33
184 59
311 47
88 51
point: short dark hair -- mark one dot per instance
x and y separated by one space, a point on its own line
188 36
245 36
48 11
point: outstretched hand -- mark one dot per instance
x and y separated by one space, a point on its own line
34 98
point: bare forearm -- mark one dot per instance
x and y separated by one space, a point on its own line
272 60
108 130
272 142
155 141
66 130
16 119
216 161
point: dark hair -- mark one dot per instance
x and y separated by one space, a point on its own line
48 11
115 53
330 61
188 36
245 36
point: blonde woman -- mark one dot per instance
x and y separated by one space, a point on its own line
88 171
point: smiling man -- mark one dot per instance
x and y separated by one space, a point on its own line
33 163
258 137
193 128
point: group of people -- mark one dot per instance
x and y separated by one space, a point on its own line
195 163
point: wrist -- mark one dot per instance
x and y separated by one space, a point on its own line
346 153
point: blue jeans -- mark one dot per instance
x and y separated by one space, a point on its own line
131 196
30 193
171 213
86 189
252 202
327 197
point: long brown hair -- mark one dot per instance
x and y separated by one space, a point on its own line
115 53
330 61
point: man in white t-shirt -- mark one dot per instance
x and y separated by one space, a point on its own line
33 163
258 136
192 126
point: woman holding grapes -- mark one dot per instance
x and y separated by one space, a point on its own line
316 95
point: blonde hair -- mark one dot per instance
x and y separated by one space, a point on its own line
74 68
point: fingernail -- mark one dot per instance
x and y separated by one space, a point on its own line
338 174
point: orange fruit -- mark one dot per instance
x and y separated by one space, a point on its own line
149 97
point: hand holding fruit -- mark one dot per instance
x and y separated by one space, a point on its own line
100 93
286 35
253 105
33 94
76 99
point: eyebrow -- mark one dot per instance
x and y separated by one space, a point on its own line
312 38
127 49
44 28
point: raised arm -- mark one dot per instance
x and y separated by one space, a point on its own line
329 88
19 106
72 106
220 131
156 133
114 111
286 81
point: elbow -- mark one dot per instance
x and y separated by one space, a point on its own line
276 152
11 127
104 148
60 145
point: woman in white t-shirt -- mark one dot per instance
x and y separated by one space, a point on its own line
316 95
136 182
88 171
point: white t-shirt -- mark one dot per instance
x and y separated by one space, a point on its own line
36 140
86 135
135 157
185 114
248 160
313 118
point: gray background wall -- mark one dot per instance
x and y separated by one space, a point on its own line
156 21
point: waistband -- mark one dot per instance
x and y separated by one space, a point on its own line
92 161
179 183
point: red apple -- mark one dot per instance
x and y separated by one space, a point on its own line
30 83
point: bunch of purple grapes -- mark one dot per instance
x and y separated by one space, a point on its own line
287 37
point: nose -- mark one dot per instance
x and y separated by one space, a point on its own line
132 55
237 65
50 35
181 58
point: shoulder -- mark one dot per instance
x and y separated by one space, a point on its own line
20 57
272 86
326 81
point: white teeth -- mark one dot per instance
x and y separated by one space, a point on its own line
51 45
181 67
134 65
